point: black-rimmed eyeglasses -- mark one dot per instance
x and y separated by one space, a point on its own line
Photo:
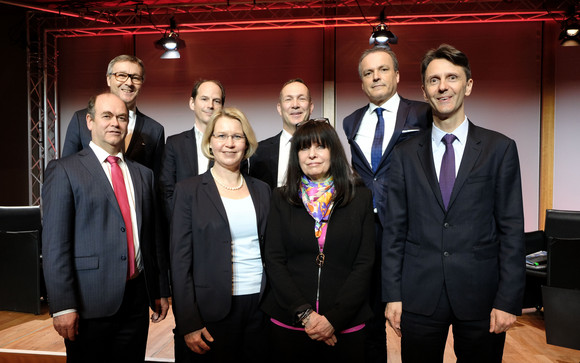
122 77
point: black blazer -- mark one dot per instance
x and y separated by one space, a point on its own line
264 162
84 243
475 248
179 162
291 250
146 146
201 253
412 116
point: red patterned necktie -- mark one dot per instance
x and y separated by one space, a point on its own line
122 199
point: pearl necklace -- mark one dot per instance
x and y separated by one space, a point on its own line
225 186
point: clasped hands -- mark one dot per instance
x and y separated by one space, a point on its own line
319 328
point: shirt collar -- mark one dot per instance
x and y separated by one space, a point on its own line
285 138
198 133
101 154
460 133
391 105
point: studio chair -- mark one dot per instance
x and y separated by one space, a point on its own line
561 295
20 265
535 278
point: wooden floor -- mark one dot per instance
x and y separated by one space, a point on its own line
31 338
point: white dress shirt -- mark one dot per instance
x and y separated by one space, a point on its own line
458 145
202 161
366 132
283 156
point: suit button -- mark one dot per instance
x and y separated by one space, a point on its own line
446 254
123 258
122 229
445 225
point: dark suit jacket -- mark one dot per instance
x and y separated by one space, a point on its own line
475 248
83 239
179 162
291 250
146 146
264 163
201 252
411 116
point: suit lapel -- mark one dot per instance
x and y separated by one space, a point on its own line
400 120
93 166
138 189
358 116
470 156
136 132
213 195
425 154
191 150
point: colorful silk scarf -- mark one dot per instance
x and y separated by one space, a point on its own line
318 200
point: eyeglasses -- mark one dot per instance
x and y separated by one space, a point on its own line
322 119
122 77
224 137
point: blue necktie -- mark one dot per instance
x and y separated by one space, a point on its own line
377 149
447 171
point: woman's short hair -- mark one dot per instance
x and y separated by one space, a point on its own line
321 133
233 113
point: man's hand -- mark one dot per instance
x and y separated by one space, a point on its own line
393 313
195 342
67 325
500 321
319 328
161 307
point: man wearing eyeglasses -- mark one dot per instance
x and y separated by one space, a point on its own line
372 132
145 138
270 161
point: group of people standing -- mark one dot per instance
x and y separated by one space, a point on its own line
284 250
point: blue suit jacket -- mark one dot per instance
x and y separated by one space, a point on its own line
146 146
84 242
412 116
475 248
201 253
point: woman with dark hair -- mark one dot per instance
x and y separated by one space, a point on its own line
319 253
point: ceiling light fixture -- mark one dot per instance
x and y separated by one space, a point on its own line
570 34
382 36
170 42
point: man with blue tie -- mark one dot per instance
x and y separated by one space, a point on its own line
372 132
453 250
100 244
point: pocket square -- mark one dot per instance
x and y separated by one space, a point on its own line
409 130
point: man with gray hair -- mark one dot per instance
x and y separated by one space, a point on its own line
372 132
145 138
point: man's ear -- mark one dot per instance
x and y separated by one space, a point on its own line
89 122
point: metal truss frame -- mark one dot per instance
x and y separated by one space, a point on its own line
46 24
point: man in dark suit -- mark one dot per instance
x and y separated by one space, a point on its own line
453 250
372 140
145 137
99 248
182 157
270 161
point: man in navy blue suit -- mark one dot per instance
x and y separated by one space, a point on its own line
399 119
100 248
453 250
145 137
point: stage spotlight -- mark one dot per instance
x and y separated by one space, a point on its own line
382 36
570 34
170 43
